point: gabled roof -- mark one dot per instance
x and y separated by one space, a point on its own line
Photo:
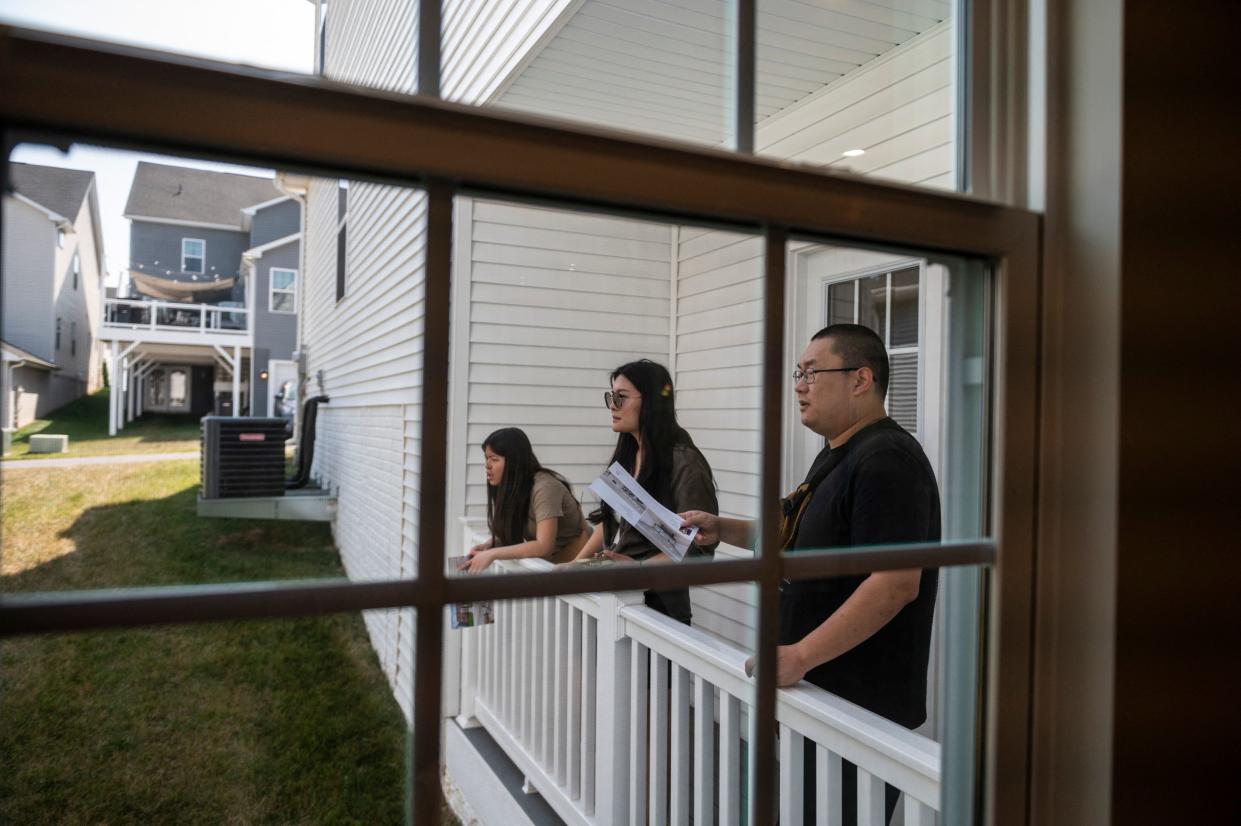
11 352
200 196
58 190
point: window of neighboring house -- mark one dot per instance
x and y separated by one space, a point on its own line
888 304
283 298
193 255
77 269
73 338
58 325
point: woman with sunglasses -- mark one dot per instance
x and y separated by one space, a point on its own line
531 511
660 454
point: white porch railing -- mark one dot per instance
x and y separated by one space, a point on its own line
617 714
172 316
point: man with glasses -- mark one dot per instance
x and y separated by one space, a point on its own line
865 638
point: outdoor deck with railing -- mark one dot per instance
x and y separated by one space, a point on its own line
617 714
205 320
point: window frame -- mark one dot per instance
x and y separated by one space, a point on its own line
272 290
202 257
450 150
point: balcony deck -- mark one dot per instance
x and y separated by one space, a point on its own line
171 322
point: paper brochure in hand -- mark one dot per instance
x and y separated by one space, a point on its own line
635 505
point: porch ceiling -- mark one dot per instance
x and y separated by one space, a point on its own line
658 66
180 354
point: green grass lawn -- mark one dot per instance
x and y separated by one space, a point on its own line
85 422
248 722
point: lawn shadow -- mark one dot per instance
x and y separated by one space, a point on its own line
280 721
163 541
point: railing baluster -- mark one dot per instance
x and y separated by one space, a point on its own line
523 674
827 787
562 687
792 766
704 752
590 636
510 666
730 760
869 799
918 813
573 746
640 693
659 740
546 735
681 758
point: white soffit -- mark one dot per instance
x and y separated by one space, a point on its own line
658 66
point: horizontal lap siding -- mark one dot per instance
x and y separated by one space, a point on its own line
719 357
557 301
899 108
367 348
484 41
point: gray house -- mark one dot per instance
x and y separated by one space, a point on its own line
51 299
206 317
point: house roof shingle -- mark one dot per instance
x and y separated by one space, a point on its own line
197 195
51 187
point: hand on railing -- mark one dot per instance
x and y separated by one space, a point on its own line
791 666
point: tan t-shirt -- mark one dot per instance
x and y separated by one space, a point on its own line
552 500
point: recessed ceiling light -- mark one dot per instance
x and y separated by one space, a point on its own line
853 153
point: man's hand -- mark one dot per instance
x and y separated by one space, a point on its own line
790 666
708 525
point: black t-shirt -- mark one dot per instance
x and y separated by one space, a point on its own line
880 490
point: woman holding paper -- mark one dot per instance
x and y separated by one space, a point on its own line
531 511
660 455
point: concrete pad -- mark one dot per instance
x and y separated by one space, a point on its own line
48 443
6 439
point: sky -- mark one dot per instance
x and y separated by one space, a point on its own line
272 34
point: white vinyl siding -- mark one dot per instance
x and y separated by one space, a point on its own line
899 108
367 347
557 301
485 41
30 257
719 357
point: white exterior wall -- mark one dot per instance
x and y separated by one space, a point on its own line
485 42
557 300
898 107
368 346
29 261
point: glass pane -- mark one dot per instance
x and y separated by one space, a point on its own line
235 431
873 304
554 310
607 726
861 87
905 307
272 34
654 67
840 303
238 722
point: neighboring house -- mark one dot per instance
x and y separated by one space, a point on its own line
207 317
53 275
537 291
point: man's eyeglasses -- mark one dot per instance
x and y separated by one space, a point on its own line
613 400
809 374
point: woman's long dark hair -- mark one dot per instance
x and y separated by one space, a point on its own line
660 433
508 503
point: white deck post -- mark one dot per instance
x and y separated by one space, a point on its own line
236 380
113 380
612 710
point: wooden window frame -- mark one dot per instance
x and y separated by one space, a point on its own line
451 150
